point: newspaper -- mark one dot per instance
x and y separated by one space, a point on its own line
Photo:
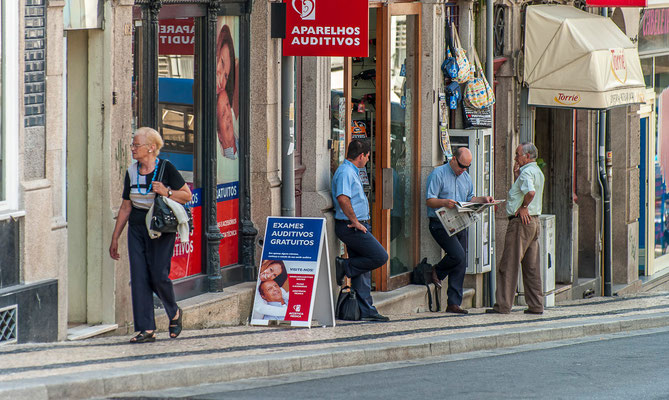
466 206
462 215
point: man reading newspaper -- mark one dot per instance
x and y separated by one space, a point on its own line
446 185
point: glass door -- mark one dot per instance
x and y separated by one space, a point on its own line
397 192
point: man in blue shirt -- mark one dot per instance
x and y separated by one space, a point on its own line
521 243
446 185
365 253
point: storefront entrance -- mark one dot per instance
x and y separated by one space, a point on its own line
377 98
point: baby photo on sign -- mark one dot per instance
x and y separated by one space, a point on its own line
271 297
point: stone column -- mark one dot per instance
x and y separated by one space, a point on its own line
625 145
265 129
433 31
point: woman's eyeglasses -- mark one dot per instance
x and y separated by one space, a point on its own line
134 146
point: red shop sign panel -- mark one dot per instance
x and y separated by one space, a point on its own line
616 3
330 28
176 37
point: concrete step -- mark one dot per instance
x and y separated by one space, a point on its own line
212 310
413 299
233 306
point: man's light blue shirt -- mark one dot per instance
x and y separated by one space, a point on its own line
531 179
443 183
346 181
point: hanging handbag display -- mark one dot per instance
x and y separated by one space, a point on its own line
454 96
476 117
461 58
163 218
478 93
450 66
347 305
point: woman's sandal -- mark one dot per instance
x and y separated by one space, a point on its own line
176 325
144 337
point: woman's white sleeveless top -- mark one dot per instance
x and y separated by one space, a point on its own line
141 201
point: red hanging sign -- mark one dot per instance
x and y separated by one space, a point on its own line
328 28
616 3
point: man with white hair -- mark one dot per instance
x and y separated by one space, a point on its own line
521 246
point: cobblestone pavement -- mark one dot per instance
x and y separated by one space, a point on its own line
103 366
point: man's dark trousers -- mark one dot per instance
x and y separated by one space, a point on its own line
365 254
454 263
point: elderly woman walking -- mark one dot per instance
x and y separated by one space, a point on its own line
150 259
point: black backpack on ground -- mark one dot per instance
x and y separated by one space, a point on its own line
422 275
347 305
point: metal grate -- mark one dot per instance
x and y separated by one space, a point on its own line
8 325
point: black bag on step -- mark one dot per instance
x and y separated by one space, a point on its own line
347 308
422 275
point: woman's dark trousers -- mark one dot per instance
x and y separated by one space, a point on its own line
150 261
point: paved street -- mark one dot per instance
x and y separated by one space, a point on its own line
109 366
612 366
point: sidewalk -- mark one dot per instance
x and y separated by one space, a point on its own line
107 366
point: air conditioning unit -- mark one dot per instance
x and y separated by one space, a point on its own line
546 263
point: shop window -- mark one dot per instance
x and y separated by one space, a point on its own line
227 123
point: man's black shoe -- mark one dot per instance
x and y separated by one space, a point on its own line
491 311
454 308
375 318
528 311
340 270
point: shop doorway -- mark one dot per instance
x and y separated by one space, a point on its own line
377 98
554 138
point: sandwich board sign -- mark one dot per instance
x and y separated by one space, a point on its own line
293 284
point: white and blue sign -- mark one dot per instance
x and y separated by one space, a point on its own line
295 239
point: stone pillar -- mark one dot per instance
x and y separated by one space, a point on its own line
625 145
265 129
120 125
434 49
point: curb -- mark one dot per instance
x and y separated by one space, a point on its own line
105 383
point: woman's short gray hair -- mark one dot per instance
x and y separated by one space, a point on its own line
152 137
530 149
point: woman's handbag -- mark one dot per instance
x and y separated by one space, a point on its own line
163 218
478 93
347 305
461 58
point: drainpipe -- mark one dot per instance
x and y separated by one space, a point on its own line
491 79
287 137
606 196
